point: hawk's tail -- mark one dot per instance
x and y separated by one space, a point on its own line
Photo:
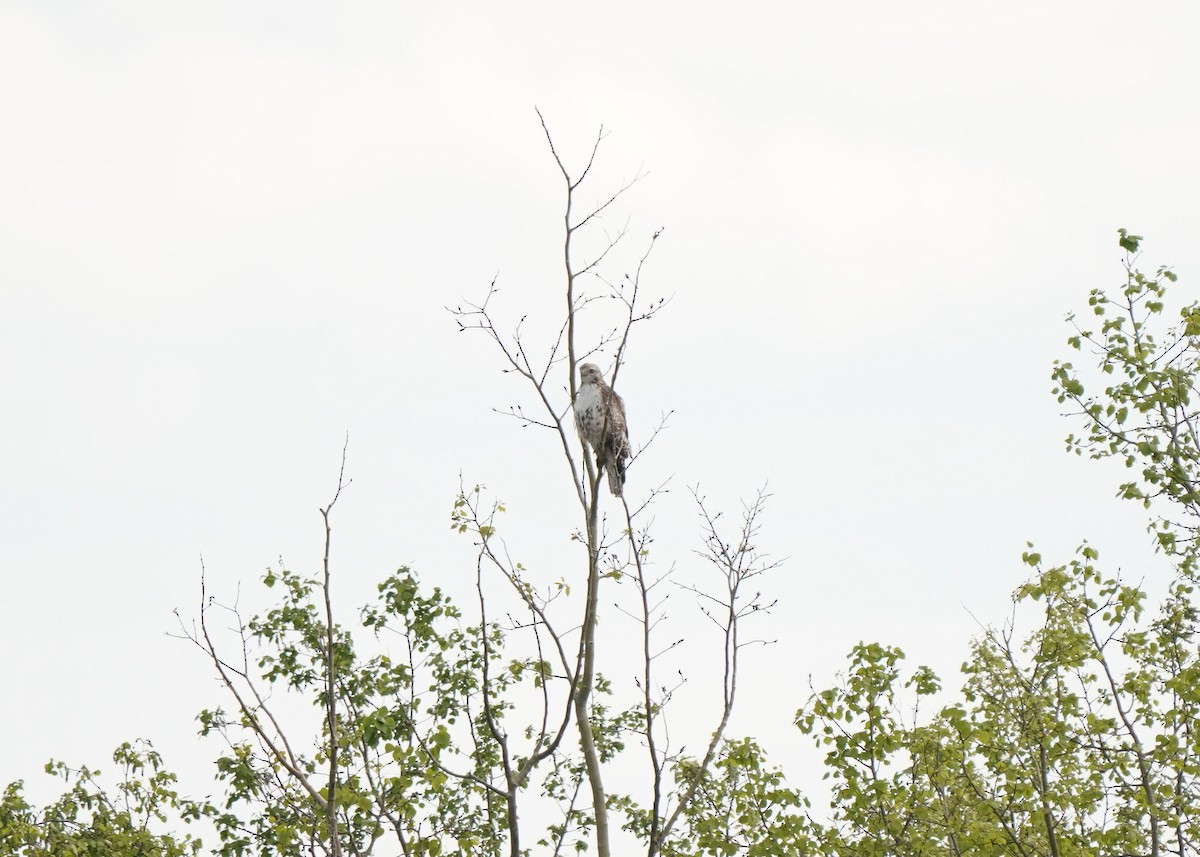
614 481
615 467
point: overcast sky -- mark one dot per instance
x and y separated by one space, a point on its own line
228 233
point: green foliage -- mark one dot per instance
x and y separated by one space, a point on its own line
139 814
875 795
404 720
427 732
1139 410
743 806
1077 738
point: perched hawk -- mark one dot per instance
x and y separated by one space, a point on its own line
600 418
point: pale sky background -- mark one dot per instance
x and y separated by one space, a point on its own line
228 233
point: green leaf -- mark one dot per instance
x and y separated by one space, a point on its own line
1129 242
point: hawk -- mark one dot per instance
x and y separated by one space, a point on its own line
600 419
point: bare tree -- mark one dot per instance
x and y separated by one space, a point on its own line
586 283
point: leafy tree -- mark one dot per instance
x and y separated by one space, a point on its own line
95 819
1078 737
1143 415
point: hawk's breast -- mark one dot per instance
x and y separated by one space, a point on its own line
587 413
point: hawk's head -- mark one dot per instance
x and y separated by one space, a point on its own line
589 373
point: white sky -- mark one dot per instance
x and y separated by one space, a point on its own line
228 232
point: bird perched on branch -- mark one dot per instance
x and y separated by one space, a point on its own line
600 419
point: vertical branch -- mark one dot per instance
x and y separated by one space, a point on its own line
631 304
1043 774
587 651
648 706
738 564
511 783
586 663
569 231
1138 749
331 670
586 479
